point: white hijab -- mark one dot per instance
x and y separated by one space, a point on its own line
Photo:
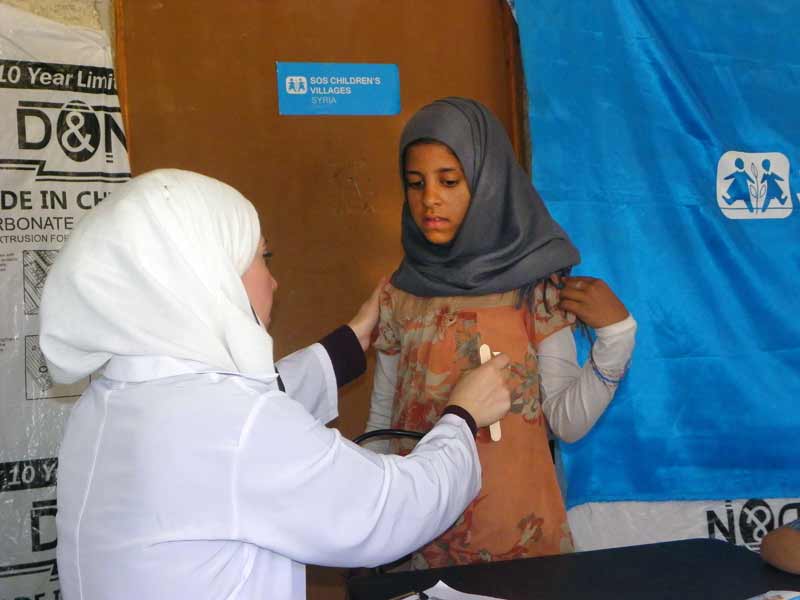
155 270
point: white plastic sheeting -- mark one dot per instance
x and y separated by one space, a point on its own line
81 13
743 522
62 150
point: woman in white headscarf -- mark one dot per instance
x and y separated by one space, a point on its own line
189 467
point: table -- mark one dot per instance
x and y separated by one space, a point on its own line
701 569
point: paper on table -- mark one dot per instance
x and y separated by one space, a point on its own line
777 596
442 591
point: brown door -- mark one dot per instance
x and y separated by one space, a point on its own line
199 85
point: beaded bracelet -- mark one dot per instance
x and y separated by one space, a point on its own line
602 376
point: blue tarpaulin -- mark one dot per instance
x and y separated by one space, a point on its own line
666 141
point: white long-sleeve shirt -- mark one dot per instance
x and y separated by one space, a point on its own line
179 482
573 397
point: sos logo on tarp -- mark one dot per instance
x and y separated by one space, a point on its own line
753 185
77 139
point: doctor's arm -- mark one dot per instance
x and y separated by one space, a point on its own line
307 493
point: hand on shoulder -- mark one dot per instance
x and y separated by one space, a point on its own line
366 319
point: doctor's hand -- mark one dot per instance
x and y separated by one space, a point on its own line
483 392
366 319
591 300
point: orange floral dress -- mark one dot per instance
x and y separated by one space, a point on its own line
519 511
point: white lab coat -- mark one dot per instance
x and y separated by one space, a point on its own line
179 482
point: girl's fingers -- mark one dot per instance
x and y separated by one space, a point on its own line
573 293
576 308
578 283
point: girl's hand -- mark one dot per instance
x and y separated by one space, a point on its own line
366 319
591 300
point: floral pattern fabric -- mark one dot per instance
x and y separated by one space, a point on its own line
519 511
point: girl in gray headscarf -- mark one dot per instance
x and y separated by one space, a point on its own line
486 264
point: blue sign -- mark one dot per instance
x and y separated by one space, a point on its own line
338 89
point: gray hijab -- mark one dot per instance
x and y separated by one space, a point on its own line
508 239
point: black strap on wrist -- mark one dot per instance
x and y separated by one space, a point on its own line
458 411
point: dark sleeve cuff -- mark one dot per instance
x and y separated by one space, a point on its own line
464 414
347 357
281 386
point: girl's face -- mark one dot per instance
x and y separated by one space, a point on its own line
259 283
436 189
